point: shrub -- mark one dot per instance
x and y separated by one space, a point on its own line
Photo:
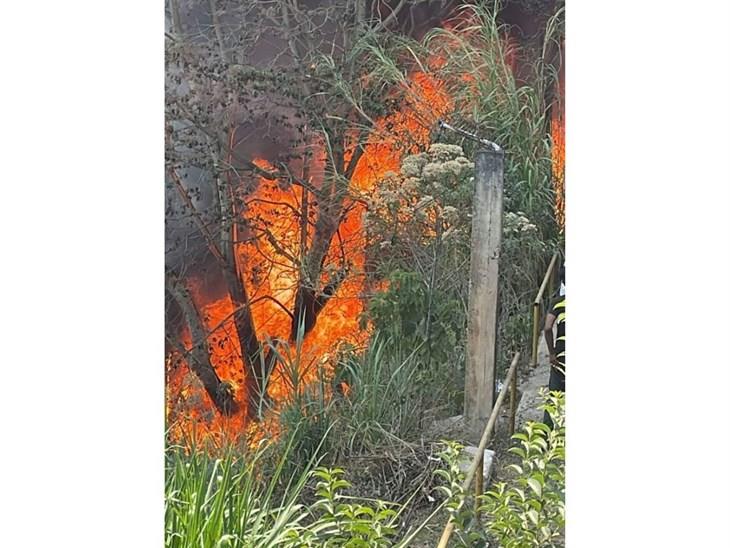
466 533
529 510
339 523
419 227
423 320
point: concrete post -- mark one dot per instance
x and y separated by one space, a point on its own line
486 236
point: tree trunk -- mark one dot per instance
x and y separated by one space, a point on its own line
308 302
199 357
307 306
243 320
250 346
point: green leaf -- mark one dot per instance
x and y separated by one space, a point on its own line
535 485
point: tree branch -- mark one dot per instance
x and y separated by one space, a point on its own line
217 29
198 221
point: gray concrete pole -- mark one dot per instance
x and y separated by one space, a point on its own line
486 237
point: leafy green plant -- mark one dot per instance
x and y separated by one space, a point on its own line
529 511
417 317
342 523
466 533
453 478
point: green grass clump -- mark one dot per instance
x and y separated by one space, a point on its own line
216 502
236 501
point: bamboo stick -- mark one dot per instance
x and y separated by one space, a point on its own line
482 445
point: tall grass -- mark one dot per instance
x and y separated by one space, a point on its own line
514 113
306 414
383 405
217 502
512 110
235 501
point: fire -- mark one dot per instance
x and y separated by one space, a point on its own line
189 410
557 131
270 255
271 246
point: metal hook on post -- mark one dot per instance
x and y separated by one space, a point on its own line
494 146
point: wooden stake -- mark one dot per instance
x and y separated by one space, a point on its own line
449 529
478 484
512 403
486 236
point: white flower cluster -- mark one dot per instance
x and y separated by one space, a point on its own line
518 222
413 165
424 200
440 152
441 162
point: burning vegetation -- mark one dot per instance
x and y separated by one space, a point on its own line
273 148
285 304
557 133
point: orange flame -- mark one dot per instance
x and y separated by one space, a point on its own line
190 412
557 131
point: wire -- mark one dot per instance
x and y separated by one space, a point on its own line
494 146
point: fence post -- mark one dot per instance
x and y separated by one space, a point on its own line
486 235
512 403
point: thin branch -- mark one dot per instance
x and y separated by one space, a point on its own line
217 29
393 14
196 216
275 301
